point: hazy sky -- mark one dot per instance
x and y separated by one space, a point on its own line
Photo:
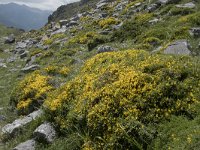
41 4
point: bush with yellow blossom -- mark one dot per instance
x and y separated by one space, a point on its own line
31 92
117 94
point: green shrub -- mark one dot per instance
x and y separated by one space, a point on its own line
134 27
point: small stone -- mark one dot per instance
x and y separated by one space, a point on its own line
45 132
195 32
3 65
103 49
23 55
28 145
2 118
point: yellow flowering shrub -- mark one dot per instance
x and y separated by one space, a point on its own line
83 38
54 70
117 93
30 92
104 23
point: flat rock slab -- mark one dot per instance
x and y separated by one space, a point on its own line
179 47
28 145
187 5
13 128
30 68
45 133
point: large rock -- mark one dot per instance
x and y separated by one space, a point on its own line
10 39
45 133
179 47
30 68
13 128
103 49
28 145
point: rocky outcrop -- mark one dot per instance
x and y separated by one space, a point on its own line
45 133
13 128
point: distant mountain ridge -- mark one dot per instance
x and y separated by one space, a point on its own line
22 16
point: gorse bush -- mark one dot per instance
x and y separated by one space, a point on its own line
31 92
117 94
105 23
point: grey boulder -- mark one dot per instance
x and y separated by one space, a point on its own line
28 145
45 133
179 47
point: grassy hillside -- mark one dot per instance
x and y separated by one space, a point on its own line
133 97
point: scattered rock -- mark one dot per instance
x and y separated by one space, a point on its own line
61 30
1 60
3 65
21 45
10 39
72 23
2 118
23 55
187 5
11 59
179 47
28 145
45 132
103 49
103 15
116 27
163 1
152 7
195 32
63 22
13 128
154 21
30 68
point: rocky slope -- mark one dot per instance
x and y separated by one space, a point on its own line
109 75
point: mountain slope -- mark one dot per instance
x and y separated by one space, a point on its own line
21 16
119 75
